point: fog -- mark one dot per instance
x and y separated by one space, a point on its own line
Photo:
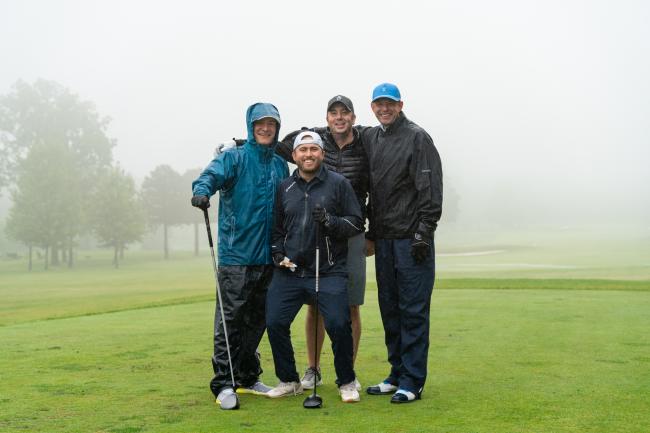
540 109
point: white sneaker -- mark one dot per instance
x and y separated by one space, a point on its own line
285 388
357 384
307 380
349 393
382 388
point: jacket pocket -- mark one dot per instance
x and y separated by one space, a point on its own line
329 251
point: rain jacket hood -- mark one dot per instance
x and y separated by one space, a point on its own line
259 111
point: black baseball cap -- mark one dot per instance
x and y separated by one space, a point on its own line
343 100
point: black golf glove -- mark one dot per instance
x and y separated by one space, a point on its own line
320 215
201 201
277 258
421 246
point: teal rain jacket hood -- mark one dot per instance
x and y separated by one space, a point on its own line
246 178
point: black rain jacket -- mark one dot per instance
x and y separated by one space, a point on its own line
405 180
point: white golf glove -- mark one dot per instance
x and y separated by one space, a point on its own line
222 147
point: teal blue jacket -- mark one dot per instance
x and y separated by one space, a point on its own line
246 178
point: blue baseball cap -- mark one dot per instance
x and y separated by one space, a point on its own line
386 90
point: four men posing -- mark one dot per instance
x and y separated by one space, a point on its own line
398 162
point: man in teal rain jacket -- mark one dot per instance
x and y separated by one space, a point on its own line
246 180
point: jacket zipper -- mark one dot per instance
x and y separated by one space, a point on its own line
304 223
232 231
329 251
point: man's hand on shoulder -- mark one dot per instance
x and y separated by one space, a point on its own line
227 145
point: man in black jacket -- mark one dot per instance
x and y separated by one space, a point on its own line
405 206
312 195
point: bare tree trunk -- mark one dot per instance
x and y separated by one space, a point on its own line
70 255
29 267
64 254
115 257
122 252
166 244
196 238
54 255
47 258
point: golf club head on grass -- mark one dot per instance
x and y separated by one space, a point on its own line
228 400
314 401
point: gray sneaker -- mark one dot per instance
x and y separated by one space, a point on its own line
307 380
258 388
227 399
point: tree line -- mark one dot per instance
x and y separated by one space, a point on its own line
56 163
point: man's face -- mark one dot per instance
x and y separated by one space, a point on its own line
264 131
339 119
386 110
308 157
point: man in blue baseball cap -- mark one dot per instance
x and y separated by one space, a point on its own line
404 208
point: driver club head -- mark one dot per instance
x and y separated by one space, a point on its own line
314 401
228 400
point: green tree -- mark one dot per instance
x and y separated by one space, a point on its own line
41 214
117 217
164 200
47 114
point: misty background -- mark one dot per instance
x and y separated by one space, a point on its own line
540 110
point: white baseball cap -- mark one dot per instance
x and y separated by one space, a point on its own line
307 137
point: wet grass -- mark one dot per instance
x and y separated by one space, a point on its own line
500 360
93 349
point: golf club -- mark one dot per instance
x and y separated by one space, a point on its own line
314 401
235 403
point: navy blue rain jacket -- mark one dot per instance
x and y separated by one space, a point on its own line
294 233
246 179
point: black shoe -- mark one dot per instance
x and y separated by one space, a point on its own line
401 396
383 388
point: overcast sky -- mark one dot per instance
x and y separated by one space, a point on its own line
535 106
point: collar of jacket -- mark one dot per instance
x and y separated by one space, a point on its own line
321 175
401 118
264 153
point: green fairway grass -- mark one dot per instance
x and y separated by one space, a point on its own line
501 361
544 335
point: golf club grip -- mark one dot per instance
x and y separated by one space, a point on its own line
207 224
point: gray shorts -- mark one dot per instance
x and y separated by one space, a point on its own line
356 263
356 269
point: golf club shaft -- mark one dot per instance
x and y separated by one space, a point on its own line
316 315
216 280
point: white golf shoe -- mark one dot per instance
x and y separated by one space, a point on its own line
284 389
349 393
